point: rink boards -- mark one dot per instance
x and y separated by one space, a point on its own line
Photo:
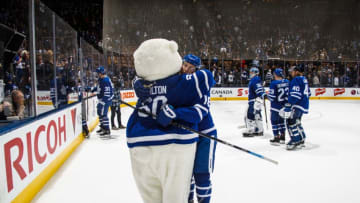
33 150
316 93
30 152
219 93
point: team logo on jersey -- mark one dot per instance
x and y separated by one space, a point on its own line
339 91
320 91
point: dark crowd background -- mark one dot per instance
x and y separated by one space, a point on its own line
322 36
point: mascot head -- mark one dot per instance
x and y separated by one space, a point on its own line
157 59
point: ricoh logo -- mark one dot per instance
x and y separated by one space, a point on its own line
320 91
339 91
24 154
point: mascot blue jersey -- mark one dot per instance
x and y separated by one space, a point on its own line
255 89
299 94
278 94
187 94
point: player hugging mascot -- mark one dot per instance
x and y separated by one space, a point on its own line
162 156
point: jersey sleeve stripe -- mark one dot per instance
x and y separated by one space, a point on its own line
202 107
208 195
199 112
297 97
301 108
206 80
132 140
209 130
197 85
203 188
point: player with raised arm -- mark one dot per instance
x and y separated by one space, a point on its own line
205 151
105 95
298 105
278 96
162 156
253 119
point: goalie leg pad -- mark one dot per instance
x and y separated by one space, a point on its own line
259 126
294 126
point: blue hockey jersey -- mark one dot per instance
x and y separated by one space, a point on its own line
299 94
187 94
61 90
255 89
278 94
206 125
105 89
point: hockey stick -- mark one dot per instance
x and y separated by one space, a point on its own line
178 125
266 118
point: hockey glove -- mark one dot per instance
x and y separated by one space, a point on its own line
265 96
142 89
285 112
166 115
258 103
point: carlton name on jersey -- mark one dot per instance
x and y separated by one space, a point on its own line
155 90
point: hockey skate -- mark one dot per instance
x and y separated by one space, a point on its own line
292 145
100 130
86 133
302 143
276 141
248 134
258 134
105 133
114 128
282 139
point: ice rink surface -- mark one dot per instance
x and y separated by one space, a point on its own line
326 171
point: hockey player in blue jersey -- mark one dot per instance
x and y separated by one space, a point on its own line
59 90
105 95
163 156
297 105
205 151
253 119
278 96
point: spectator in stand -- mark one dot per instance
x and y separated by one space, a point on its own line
316 81
268 77
244 77
336 80
329 80
231 79
237 77
218 80
13 107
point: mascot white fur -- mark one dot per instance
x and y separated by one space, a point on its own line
162 173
